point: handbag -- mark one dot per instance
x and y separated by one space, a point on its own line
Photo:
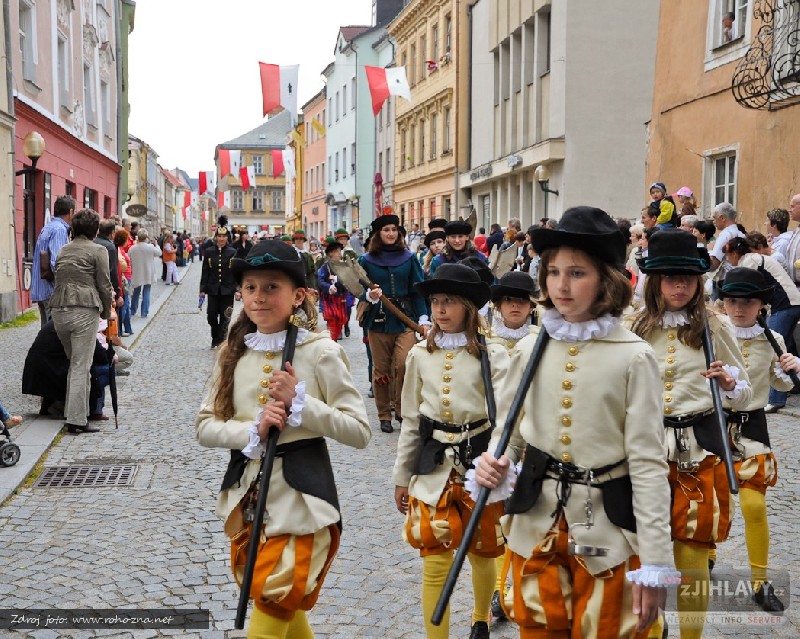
45 272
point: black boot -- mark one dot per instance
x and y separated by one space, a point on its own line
386 426
498 614
766 598
480 630
347 330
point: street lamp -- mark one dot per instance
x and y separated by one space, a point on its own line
33 147
542 175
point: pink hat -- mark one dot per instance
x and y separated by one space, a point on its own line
685 191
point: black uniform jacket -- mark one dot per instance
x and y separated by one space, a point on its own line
217 277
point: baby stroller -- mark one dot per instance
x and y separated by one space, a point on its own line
9 451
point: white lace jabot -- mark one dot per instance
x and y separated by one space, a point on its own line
501 330
450 341
559 328
672 319
271 341
748 332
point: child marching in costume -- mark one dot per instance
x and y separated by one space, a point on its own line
334 299
673 321
745 291
251 395
445 426
591 502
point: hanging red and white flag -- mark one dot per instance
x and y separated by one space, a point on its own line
288 162
183 211
386 82
208 182
279 88
277 162
187 199
223 199
248 176
204 216
229 162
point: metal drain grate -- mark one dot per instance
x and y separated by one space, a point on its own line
83 476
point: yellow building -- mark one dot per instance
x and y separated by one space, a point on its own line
726 119
427 131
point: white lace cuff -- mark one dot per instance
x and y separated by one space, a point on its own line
503 490
661 576
369 298
782 374
424 320
298 402
741 384
255 448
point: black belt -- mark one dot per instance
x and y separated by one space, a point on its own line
687 421
448 427
569 474
744 416
751 423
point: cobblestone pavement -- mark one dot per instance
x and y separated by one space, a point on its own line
158 543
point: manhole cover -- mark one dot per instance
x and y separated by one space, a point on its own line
82 476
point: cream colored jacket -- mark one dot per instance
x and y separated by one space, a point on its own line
445 386
333 408
593 403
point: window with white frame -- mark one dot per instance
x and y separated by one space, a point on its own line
388 157
435 46
422 141
344 100
723 178
63 72
258 164
412 68
353 158
344 161
403 150
730 20
446 132
27 40
434 123
277 200
258 200
237 200
336 167
105 101
88 95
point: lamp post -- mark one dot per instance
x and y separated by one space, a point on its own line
542 175
33 147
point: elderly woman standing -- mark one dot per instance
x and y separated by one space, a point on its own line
143 270
83 294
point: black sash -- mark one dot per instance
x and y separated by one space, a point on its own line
753 424
706 430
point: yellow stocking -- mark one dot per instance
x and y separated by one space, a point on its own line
692 562
756 533
434 574
264 626
483 578
712 555
657 629
500 584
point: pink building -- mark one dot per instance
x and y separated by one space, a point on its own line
315 210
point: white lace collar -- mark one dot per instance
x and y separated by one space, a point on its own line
271 341
499 328
450 341
672 319
559 328
748 332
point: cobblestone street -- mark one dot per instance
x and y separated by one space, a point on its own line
158 544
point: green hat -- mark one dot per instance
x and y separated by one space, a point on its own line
286 238
341 233
299 234
331 244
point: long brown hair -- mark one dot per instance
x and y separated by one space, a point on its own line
233 349
474 323
650 318
376 244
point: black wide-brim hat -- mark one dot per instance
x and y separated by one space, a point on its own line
384 220
331 245
271 255
456 279
674 252
588 229
458 227
480 267
746 283
514 284
436 234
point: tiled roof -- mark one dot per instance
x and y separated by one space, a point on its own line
353 31
172 178
272 133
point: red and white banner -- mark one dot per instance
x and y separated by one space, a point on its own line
248 176
288 162
187 199
386 82
229 162
204 216
223 199
277 162
208 182
279 88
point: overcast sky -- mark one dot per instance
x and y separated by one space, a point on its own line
194 80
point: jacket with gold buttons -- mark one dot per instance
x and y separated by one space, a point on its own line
593 403
445 386
216 277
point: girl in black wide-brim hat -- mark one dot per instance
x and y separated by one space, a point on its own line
745 292
457 247
312 399
593 479
445 426
672 321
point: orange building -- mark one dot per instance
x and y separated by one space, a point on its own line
314 208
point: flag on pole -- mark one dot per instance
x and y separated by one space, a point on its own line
279 88
277 162
229 162
208 182
318 126
248 176
386 82
187 199
223 199
288 162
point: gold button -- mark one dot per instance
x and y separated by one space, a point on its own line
669 373
449 355
264 383
450 437
262 399
267 368
510 344
448 367
572 350
269 354
566 402
445 402
671 336
566 385
566 439
668 411
670 360
668 398
746 343
448 414
566 420
446 390
668 386
670 349
447 378
745 353
570 367
566 458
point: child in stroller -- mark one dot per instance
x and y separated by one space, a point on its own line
9 451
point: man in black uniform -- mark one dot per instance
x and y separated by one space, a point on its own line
217 282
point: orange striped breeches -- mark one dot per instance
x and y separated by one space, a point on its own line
757 472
